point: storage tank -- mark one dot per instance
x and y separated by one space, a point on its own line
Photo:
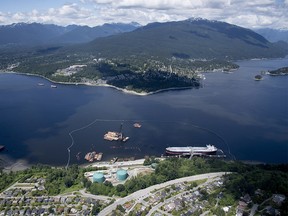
122 175
154 165
98 177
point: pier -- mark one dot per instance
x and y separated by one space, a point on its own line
192 154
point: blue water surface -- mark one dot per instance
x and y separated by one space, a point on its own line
245 118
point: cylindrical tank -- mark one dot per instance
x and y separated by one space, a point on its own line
98 177
122 175
154 165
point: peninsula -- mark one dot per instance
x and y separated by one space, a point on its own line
279 72
151 58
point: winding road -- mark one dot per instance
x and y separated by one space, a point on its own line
142 194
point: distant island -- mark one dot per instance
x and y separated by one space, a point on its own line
279 72
258 77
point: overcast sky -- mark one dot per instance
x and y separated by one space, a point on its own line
245 13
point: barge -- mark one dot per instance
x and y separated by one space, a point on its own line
92 156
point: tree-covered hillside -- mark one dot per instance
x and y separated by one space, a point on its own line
189 39
154 57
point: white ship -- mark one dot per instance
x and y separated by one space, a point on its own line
208 150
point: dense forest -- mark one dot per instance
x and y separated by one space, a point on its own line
133 73
280 71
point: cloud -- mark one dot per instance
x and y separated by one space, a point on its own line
67 10
249 14
19 17
65 15
102 1
163 4
159 5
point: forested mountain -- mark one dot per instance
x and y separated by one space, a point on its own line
32 34
82 34
189 39
273 35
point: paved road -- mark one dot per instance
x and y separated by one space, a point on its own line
141 194
166 201
97 197
253 210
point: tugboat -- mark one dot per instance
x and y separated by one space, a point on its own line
137 125
125 139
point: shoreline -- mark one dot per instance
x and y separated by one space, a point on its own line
9 164
100 85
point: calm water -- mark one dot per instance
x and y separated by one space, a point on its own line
231 111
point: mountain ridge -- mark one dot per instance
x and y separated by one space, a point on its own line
273 35
33 34
190 38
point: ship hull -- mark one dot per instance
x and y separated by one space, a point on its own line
209 150
188 152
